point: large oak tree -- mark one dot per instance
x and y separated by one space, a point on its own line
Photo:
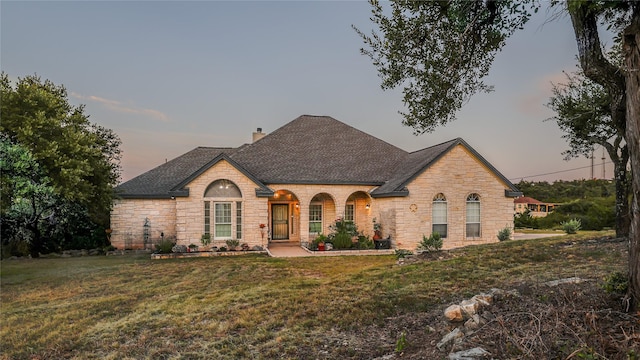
439 52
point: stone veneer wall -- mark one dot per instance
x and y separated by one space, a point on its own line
456 175
128 217
190 210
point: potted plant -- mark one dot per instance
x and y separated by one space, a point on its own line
377 230
193 247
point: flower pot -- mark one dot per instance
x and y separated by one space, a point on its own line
320 246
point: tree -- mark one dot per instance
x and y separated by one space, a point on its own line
28 197
81 159
440 51
583 110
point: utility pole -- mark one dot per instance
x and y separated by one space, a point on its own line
592 175
603 172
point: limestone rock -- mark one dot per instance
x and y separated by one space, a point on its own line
471 354
453 313
470 307
452 336
179 249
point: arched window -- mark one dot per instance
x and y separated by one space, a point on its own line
439 215
223 200
473 216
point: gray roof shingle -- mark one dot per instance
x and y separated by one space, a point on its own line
308 150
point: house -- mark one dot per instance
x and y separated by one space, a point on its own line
535 207
292 184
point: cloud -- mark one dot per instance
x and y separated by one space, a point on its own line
124 108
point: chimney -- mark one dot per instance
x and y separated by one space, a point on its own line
258 135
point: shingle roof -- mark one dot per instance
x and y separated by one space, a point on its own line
159 182
319 150
307 150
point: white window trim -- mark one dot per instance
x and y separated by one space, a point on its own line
321 217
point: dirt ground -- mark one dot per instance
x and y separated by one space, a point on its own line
531 321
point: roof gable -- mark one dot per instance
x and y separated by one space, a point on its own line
419 161
161 181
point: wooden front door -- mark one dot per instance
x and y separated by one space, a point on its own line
280 221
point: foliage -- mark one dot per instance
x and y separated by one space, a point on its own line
439 51
402 253
431 243
341 241
165 245
341 226
376 225
525 220
504 234
571 226
585 113
616 283
232 243
80 159
319 239
561 191
205 239
364 242
402 342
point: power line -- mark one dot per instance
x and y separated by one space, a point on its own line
557 172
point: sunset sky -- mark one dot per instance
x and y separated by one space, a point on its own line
170 76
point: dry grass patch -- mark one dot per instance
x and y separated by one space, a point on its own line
259 307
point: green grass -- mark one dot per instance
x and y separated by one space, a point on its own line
252 306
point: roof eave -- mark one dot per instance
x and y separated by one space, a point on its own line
397 193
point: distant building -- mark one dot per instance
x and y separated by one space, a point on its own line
536 208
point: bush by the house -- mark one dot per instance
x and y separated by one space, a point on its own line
364 242
232 243
341 241
504 234
572 226
431 243
165 245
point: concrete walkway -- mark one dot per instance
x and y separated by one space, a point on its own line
286 250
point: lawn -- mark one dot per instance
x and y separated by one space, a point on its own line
254 306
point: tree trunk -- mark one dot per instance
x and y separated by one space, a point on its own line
622 193
631 50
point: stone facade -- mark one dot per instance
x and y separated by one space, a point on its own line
405 219
456 175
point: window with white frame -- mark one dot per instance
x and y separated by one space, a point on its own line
222 220
349 212
439 215
315 218
473 216
220 205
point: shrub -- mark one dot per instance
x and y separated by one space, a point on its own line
431 243
572 226
616 283
403 253
504 234
232 243
341 241
164 246
365 243
205 239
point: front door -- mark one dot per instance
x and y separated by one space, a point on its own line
280 221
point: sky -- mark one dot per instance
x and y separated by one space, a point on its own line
171 76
